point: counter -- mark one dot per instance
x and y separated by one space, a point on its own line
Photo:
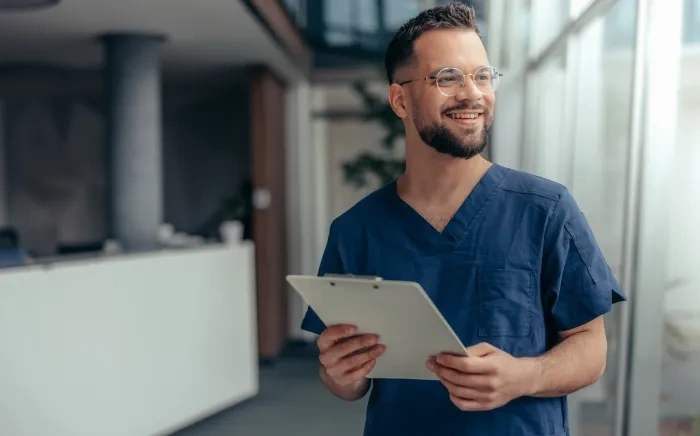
129 345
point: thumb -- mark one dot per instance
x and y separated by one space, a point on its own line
481 350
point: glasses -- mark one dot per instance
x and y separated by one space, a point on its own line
450 81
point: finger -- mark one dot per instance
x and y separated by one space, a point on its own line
466 393
349 363
357 374
333 334
481 350
343 349
468 365
469 405
478 381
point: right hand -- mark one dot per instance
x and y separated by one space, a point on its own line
346 357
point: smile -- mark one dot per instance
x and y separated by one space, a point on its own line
465 117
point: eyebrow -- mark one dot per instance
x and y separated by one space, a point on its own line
433 72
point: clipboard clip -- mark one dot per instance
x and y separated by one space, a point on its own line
353 276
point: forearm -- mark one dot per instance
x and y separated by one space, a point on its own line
576 362
351 392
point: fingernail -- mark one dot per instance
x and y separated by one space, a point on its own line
430 365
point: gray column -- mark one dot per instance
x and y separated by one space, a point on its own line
3 169
134 137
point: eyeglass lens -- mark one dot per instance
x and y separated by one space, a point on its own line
450 81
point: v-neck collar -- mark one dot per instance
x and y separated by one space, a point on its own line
461 222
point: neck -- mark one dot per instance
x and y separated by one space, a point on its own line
434 177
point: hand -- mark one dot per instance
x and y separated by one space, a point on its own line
348 358
485 380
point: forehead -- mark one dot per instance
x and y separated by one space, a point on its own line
460 48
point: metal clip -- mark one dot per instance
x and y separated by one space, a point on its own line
353 276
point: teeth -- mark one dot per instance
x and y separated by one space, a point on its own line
464 116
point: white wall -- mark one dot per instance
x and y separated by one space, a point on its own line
307 203
129 345
347 138
310 198
317 193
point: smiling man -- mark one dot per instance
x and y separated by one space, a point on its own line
507 257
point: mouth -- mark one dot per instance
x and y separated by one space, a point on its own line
466 118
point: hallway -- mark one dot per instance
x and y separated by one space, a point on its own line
292 402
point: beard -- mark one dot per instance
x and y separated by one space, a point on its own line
444 140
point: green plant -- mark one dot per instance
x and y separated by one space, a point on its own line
382 164
236 207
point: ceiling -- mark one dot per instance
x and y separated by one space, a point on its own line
203 36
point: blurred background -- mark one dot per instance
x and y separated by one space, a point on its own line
164 165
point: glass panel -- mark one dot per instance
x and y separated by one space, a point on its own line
578 112
691 32
353 22
515 34
601 136
601 127
546 144
396 12
549 19
680 378
620 25
619 30
366 18
507 133
338 17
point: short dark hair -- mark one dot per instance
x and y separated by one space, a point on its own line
449 16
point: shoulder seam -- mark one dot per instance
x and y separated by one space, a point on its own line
538 194
551 214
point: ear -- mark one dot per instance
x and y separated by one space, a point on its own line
397 100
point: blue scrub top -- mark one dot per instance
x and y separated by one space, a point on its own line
517 264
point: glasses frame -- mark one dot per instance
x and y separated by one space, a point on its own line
464 81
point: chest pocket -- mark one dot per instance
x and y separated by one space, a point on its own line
505 302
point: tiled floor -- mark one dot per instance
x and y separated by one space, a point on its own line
292 402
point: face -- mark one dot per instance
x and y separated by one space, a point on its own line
456 125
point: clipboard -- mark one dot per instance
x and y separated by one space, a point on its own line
399 312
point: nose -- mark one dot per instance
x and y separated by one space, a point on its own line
469 91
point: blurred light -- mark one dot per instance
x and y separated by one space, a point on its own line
27 4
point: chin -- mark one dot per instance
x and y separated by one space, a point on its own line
469 133
473 141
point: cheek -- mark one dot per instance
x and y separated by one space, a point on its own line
490 102
427 108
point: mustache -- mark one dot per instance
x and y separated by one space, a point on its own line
466 107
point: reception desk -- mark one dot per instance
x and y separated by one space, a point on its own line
126 345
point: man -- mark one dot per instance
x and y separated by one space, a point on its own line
507 257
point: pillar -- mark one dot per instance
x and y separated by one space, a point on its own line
268 165
134 137
3 169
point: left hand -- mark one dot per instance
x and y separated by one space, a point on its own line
485 380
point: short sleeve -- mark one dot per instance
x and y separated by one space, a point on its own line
331 263
578 285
